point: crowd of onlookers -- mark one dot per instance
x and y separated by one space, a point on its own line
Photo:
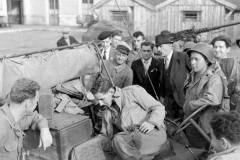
182 77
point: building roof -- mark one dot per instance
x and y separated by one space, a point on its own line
153 4
236 2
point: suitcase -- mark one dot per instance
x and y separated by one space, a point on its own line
67 130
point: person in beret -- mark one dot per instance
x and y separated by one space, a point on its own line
147 70
106 49
203 87
175 69
66 39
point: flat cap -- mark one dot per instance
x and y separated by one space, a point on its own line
105 34
123 49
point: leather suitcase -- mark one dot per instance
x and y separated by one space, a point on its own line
67 130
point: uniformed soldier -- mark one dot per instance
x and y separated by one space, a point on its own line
17 115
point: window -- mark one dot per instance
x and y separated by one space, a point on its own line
87 1
192 16
119 16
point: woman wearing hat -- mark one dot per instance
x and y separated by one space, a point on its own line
203 87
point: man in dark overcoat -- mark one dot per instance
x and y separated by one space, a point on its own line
147 70
66 39
175 70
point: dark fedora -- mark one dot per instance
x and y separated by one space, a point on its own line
204 49
165 38
238 42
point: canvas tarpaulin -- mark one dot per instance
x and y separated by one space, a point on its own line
49 68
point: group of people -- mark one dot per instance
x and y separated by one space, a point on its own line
141 90
147 88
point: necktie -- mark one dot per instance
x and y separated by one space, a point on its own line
104 54
145 63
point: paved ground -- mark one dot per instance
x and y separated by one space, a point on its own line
23 38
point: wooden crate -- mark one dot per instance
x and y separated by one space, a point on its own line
67 130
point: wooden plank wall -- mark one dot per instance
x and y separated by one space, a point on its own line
171 16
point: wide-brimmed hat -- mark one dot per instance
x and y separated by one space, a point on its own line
204 49
163 39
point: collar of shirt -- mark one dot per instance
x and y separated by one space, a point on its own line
169 56
147 62
107 52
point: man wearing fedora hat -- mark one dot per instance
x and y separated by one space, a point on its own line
175 70
66 39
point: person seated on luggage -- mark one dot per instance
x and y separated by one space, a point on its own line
17 115
66 39
203 87
225 136
133 120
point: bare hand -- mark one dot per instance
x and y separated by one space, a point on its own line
146 127
45 138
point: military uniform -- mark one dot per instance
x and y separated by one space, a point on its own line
11 132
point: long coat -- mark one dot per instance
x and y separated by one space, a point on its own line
154 72
180 68
61 42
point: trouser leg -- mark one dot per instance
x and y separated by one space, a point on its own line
137 145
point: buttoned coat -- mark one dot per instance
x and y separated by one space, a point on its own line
154 71
180 68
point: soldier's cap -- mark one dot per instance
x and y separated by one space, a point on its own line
163 39
223 38
238 42
104 35
123 49
204 49
188 45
